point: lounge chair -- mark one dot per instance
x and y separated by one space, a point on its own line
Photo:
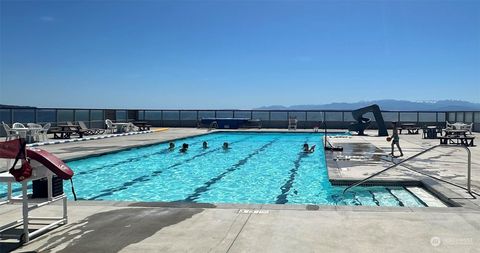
75 129
90 131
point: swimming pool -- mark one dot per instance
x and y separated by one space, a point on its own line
260 168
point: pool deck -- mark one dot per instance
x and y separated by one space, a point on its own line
104 226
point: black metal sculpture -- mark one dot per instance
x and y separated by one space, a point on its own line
362 123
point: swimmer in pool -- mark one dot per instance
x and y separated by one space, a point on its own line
184 148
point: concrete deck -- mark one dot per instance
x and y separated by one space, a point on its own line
102 226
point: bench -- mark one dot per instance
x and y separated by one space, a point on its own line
253 123
411 130
65 134
457 139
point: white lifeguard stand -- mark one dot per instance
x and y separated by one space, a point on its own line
28 204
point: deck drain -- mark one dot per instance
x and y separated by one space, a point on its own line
252 211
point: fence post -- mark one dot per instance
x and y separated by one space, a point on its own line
90 118
56 117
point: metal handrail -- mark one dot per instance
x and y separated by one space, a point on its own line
469 167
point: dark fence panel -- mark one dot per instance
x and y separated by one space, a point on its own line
339 119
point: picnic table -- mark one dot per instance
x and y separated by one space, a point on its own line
457 136
412 128
457 139
455 132
65 131
142 125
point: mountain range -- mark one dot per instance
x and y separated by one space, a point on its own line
386 105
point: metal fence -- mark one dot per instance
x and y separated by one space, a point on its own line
340 119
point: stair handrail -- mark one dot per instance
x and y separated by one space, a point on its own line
469 167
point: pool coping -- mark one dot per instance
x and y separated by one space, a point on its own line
439 191
133 146
271 207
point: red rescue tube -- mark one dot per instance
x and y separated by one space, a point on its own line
50 161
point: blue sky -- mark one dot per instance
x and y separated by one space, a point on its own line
236 54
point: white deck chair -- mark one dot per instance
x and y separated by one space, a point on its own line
44 131
292 123
18 125
21 133
468 127
132 128
9 132
35 130
449 126
110 126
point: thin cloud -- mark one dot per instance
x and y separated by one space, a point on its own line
47 18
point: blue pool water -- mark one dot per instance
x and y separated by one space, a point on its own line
258 168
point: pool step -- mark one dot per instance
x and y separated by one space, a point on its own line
407 198
387 196
426 197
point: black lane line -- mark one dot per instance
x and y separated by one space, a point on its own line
374 199
396 198
197 192
133 159
282 198
144 178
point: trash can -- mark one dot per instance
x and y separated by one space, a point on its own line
40 187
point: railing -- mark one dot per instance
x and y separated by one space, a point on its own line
189 118
469 167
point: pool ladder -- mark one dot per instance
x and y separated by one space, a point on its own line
469 167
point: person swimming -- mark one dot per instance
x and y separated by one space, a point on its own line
225 146
308 149
171 146
184 148
305 147
205 144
